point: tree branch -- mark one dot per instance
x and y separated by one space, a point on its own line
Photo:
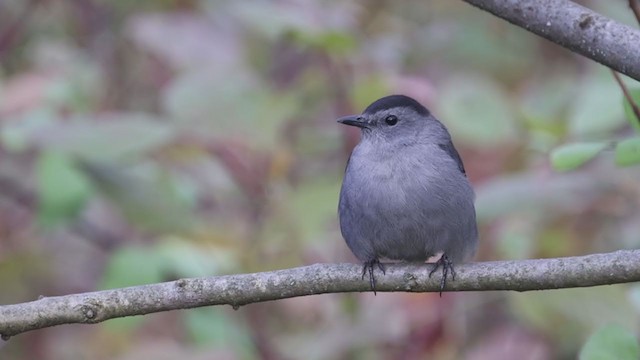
237 290
575 28
633 4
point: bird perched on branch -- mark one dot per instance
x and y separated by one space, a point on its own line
405 194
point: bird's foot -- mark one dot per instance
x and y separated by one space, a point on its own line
368 266
447 267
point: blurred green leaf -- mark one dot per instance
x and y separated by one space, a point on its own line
130 266
558 315
503 54
151 200
611 342
544 102
477 111
516 239
182 258
572 156
272 19
79 89
503 196
628 110
367 90
337 42
16 134
281 18
596 110
63 191
314 205
229 104
121 136
213 327
333 42
634 294
628 152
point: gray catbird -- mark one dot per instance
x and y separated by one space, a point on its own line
405 194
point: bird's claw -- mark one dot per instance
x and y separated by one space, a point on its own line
447 266
368 266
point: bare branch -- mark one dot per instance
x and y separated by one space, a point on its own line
237 290
633 4
574 27
627 95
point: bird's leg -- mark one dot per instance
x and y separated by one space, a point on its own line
368 266
447 266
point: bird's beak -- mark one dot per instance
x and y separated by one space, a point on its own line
354 120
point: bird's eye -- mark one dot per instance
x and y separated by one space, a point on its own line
391 120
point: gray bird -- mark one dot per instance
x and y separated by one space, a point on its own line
405 194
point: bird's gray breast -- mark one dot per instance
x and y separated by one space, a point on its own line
405 206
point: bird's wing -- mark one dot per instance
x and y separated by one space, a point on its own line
348 160
451 150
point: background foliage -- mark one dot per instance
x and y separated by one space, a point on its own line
150 140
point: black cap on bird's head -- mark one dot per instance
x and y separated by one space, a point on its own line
394 101
382 105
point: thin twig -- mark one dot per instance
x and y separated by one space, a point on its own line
633 4
627 95
237 290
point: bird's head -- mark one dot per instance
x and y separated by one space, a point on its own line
397 120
